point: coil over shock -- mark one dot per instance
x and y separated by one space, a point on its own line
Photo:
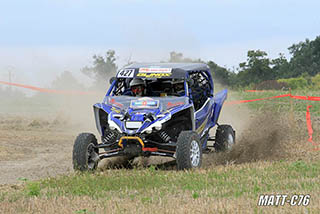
164 136
110 137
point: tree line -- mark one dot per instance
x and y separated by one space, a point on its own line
303 65
258 67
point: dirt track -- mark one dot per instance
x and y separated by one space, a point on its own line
32 147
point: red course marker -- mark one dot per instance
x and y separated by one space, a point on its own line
310 131
247 101
48 90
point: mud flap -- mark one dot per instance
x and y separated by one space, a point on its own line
219 99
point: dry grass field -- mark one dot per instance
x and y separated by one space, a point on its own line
272 156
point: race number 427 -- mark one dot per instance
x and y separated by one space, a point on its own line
125 73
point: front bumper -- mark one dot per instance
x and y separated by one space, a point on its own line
134 146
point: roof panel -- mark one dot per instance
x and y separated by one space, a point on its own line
162 70
182 66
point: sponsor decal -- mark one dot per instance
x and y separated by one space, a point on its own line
144 104
115 110
282 199
202 126
170 104
155 70
113 102
153 75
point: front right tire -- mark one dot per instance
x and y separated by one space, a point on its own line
85 156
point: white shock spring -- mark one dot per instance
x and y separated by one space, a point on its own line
109 137
164 136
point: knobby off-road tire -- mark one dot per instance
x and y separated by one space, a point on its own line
225 138
85 157
189 151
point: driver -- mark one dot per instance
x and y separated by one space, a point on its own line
178 87
137 87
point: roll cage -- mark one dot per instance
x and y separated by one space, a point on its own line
198 86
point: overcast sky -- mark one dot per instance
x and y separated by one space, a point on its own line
39 39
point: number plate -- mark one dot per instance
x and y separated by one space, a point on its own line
126 73
133 124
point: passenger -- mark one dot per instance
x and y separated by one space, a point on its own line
178 86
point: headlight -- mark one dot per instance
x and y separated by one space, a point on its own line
157 125
118 116
149 131
113 125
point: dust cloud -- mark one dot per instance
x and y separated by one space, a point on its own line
37 133
265 138
260 135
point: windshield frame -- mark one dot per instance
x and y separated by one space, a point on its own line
114 86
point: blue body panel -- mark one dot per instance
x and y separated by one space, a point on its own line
219 99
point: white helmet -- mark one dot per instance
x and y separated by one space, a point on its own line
136 81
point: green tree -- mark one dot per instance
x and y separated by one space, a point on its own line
305 58
280 67
103 68
256 69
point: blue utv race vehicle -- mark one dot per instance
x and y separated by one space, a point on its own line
162 109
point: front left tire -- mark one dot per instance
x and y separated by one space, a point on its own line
189 151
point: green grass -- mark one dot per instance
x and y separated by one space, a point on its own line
223 182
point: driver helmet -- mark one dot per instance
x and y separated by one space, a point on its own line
137 87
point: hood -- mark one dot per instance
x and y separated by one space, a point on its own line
138 114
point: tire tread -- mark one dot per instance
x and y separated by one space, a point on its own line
183 149
80 146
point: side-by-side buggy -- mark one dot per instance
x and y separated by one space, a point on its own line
163 109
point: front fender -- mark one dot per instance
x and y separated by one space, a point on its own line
191 113
219 99
101 112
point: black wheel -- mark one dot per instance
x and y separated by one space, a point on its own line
85 157
189 151
225 138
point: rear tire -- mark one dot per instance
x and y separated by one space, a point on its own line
85 157
225 138
189 151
